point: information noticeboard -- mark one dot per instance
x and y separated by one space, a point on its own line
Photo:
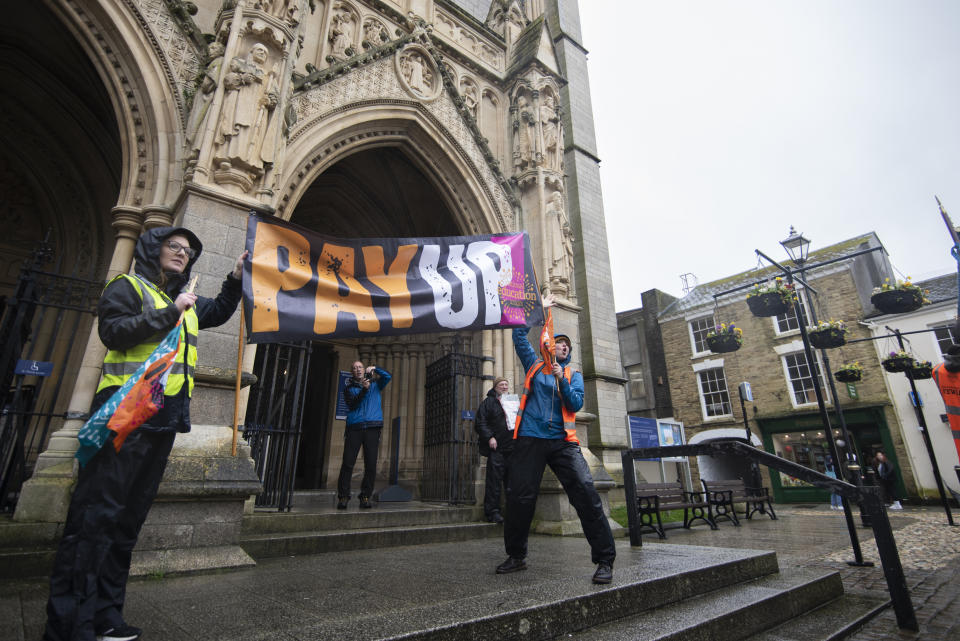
649 432
342 410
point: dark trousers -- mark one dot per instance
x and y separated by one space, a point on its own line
114 492
497 464
354 439
527 461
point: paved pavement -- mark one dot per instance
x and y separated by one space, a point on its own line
804 536
814 536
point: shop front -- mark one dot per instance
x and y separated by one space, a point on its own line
801 438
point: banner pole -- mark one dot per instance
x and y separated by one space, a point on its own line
236 391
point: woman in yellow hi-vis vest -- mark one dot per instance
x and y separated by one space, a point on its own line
115 489
546 435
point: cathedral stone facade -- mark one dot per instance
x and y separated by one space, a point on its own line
377 118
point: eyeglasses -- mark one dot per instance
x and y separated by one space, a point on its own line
176 248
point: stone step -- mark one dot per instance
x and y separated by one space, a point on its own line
262 546
554 599
832 622
729 613
353 518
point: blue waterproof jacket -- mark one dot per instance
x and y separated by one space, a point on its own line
542 417
364 404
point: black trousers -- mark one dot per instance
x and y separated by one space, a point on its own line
529 458
497 463
113 495
354 439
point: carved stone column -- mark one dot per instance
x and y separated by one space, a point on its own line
45 497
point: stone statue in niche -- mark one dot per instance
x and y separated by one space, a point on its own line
251 95
471 97
417 73
522 135
374 33
561 245
202 99
552 134
341 34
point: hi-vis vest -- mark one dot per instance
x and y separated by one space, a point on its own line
119 365
569 417
949 384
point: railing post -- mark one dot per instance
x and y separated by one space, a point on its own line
630 489
890 559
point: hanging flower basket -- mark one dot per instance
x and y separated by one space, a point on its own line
828 337
919 371
897 362
725 338
847 376
849 373
771 299
898 298
769 304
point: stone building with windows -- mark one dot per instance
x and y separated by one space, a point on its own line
376 118
783 415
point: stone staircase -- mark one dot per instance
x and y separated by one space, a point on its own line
314 526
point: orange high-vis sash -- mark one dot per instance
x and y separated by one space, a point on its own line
949 384
569 417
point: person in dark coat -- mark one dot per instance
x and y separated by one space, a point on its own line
887 475
115 489
496 442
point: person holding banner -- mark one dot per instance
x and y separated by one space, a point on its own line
545 434
496 443
364 425
116 487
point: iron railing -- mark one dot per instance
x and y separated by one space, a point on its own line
867 497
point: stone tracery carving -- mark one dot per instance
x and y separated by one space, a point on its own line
287 10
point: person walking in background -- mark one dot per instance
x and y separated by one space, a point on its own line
887 475
116 488
830 470
546 435
364 425
496 442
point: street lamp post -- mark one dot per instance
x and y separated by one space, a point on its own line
797 247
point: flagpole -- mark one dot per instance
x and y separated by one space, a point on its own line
236 391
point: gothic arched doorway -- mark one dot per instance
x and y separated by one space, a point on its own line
60 170
379 192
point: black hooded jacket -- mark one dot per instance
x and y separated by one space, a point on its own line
491 421
123 323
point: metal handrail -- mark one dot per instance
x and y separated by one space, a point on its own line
868 498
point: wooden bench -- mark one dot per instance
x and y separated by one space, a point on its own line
654 498
721 495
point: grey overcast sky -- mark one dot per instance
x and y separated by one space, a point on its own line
720 123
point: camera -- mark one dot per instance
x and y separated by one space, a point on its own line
368 376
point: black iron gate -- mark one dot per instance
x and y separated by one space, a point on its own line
274 417
39 324
454 389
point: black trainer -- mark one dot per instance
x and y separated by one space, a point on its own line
604 573
495 518
342 502
365 502
122 633
511 565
